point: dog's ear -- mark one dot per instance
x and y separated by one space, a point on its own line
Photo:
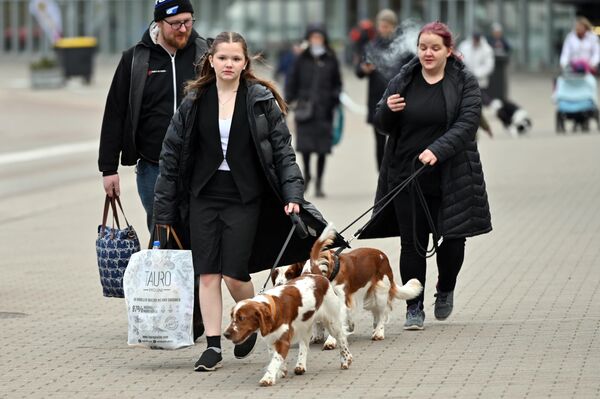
295 270
265 319
274 275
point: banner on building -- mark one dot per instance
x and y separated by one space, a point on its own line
47 14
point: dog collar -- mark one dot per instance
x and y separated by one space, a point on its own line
336 267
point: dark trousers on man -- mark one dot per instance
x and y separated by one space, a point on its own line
146 175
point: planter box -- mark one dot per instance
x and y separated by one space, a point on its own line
47 78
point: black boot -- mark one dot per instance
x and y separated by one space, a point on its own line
319 189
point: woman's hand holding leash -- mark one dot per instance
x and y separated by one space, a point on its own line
428 158
396 103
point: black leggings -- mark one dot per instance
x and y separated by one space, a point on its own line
320 165
449 256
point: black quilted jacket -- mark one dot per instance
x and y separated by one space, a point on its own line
273 144
464 211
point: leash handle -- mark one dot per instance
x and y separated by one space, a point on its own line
301 229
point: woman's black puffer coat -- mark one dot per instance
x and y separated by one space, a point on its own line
464 210
278 161
317 80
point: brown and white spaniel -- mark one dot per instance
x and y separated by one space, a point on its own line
283 274
364 275
286 314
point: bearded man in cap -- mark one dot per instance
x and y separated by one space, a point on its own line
146 90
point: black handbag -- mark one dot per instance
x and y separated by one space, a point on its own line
114 247
304 111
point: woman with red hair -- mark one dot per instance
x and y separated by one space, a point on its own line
431 112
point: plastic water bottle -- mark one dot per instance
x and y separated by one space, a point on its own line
156 245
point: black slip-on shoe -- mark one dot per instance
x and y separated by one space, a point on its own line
210 360
245 348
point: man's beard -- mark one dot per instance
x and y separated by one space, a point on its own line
178 41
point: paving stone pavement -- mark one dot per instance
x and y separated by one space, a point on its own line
526 322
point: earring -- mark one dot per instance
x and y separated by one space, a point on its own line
212 66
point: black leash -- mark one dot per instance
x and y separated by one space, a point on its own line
302 232
437 240
386 200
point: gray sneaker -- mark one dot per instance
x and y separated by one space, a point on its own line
415 317
444 302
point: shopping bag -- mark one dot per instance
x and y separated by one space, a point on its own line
114 247
338 125
159 294
168 239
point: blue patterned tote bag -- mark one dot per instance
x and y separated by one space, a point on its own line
114 247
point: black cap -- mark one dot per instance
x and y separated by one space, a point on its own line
167 8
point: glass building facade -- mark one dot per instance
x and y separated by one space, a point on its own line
535 28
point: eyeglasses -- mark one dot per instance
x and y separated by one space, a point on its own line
178 24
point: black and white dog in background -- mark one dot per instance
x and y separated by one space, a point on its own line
514 118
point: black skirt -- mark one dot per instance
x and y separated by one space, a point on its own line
222 229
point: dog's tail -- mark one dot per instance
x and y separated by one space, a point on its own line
317 256
410 290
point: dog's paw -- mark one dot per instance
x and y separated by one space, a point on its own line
378 336
346 360
267 381
330 344
299 370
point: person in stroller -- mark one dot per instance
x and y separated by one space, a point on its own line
514 118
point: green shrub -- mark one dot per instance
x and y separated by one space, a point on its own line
43 63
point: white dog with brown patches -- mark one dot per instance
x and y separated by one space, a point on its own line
286 314
364 276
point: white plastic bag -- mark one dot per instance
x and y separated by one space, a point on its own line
159 293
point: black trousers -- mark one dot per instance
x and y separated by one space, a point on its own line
450 254
320 166
380 141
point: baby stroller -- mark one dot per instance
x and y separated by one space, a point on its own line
576 98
